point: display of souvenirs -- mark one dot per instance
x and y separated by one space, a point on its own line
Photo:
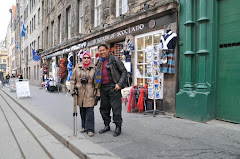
63 67
116 50
69 65
167 46
45 68
155 78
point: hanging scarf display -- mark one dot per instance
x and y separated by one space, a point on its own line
63 68
140 101
132 99
45 68
98 74
69 65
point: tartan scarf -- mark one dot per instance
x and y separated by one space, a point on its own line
98 74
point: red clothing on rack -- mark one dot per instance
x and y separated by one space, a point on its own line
140 103
132 100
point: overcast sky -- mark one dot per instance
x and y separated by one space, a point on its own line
5 16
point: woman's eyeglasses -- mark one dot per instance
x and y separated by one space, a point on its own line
86 57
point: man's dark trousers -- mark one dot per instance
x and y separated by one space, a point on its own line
111 99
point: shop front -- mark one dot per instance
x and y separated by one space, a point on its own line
58 65
130 44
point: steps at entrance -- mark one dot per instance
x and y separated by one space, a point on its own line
8 145
34 140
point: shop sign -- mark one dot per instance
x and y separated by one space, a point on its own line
72 48
118 34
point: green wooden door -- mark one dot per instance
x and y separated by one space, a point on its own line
228 70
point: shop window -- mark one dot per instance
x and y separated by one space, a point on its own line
93 52
121 7
97 13
142 42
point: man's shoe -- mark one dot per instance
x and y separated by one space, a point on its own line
105 129
117 131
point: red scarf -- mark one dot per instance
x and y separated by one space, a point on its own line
140 101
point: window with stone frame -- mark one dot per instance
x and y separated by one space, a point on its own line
121 7
38 16
59 29
53 33
80 9
68 26
34 72
97 17
47 38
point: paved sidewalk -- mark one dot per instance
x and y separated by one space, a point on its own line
145 136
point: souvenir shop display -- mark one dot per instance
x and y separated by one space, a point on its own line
51 85
167 45
69 65
128 47
125 94
137 99
45 70
128 67
116 50
69 68
63 68
154 76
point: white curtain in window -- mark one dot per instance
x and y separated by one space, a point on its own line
124 6
121 7
80 16
97 12
69 23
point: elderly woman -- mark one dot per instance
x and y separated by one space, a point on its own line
83 79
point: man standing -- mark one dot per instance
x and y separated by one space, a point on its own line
110 78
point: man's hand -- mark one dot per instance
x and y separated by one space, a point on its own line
117 87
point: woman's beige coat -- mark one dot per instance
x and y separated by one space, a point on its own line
86 92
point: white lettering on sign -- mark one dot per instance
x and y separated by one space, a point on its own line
120 33
73 48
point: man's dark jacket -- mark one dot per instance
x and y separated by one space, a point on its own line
118 71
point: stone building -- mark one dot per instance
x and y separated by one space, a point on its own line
3 60
11 41
73 25
30 14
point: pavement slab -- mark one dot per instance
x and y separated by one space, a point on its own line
143 136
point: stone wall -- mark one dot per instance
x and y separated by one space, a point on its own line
135 15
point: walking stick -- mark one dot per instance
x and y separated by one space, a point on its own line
75 98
